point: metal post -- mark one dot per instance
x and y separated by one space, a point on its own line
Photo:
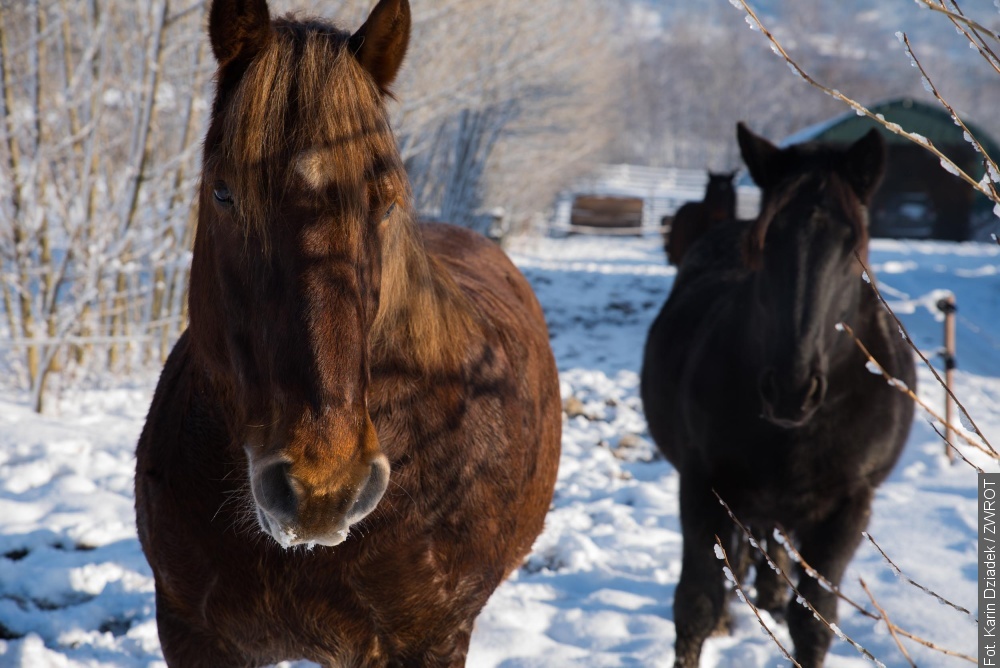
947 306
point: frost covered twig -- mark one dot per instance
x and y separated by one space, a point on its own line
875 367
797 557
958 17
802 600
936 648
720 552
953 447
964 26
906 337
888 624
899 573
986 186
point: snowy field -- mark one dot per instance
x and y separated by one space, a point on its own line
75 589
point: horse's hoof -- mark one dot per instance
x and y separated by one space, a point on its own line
724 627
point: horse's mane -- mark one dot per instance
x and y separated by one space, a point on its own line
304 104
831 192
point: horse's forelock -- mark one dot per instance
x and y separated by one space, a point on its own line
774 201
305 106
848 201
838 190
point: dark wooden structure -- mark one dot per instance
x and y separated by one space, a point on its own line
612 213
919 198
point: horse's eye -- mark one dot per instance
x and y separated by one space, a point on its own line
388 212
220 192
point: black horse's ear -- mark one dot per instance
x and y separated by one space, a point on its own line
759 154
864 164
381 42
238 29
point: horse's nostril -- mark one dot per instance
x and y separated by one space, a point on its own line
769 386
372 491
816 392
277 494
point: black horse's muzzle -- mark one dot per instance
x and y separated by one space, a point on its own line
790 403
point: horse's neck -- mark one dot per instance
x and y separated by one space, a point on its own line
720 206
423 318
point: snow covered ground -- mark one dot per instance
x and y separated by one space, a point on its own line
598 588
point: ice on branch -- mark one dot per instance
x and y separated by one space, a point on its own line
796 72
949 167
969 138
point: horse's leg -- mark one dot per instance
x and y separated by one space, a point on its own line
772 590
701 593
741 556
828 547
448 652
185 645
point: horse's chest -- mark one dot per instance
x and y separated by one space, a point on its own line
791 480
272 611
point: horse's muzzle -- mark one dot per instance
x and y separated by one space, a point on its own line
790 405
296 514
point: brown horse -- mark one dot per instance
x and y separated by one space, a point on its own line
694 218
356 440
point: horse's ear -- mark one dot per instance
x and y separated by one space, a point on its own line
864 164
758 153
381 42
238 29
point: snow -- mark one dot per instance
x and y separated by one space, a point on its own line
598 588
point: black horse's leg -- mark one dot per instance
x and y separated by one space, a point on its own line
772 590
700 598
828 547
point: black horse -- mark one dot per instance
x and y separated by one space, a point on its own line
751 389
694 218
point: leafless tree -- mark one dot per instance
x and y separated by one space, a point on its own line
103 105
690 80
